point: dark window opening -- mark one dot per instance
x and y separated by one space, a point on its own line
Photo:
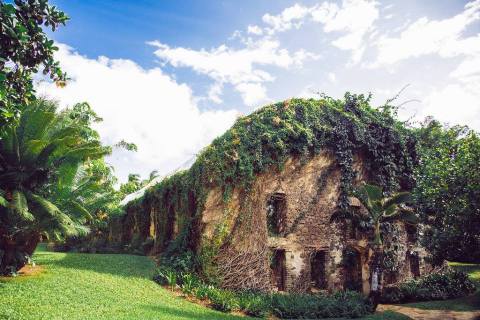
276 213
352 263
279 271
411 233
170 226
414 265
317 271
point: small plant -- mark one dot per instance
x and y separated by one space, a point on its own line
166 276
223 300
189 283
202 292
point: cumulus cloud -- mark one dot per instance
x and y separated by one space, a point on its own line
243 68
455 104
254 30
291 17
425 36
144 106
354 19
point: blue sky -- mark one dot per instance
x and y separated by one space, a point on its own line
172 75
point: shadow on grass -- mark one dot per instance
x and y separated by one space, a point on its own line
122 265
185 314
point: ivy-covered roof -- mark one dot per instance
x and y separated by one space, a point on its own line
300 128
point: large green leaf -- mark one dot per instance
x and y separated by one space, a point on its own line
398 198
20 207
374 193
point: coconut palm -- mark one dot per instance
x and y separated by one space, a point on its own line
381 210
45 148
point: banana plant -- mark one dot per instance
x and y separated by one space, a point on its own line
380 210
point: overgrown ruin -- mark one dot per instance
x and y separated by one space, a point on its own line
257 209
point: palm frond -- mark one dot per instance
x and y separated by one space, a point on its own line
52 219
19 206
3 201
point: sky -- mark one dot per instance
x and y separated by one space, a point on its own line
170 76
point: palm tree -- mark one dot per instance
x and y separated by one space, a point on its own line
45 148
381 210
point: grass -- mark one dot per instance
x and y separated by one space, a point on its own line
470 303
116 286
92 286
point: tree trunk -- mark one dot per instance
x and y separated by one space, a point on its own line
16 251
376 277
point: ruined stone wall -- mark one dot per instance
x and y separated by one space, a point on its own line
311 191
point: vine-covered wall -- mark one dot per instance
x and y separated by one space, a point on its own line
172 212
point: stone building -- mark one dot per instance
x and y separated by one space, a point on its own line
306 250
278 233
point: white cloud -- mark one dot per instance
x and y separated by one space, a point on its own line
144 106
355 18
424 36
256 30
455 104
252 93
291 17
243 68
331 77
215 92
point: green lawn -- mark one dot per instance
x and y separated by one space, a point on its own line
471 303
103 286
93 286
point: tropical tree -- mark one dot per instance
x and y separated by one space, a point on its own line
447 192
380 210
44 150
25 50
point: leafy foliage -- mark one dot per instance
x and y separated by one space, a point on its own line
24 46
265 139
448 191
434 286
257 304
39 161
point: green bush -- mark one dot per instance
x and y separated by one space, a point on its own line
254 304
434 286
189 283
223 300
166 276
305 306
257 304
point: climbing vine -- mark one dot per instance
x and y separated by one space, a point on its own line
265 139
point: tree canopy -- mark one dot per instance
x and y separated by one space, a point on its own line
447 191
26 50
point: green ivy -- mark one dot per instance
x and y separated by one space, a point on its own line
299 128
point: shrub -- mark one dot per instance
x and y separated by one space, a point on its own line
254 304
166 276
202 292
257 304
189 283
304 306
223 300
434 286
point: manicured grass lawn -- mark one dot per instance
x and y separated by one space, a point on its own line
94 286
471 303
116 286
